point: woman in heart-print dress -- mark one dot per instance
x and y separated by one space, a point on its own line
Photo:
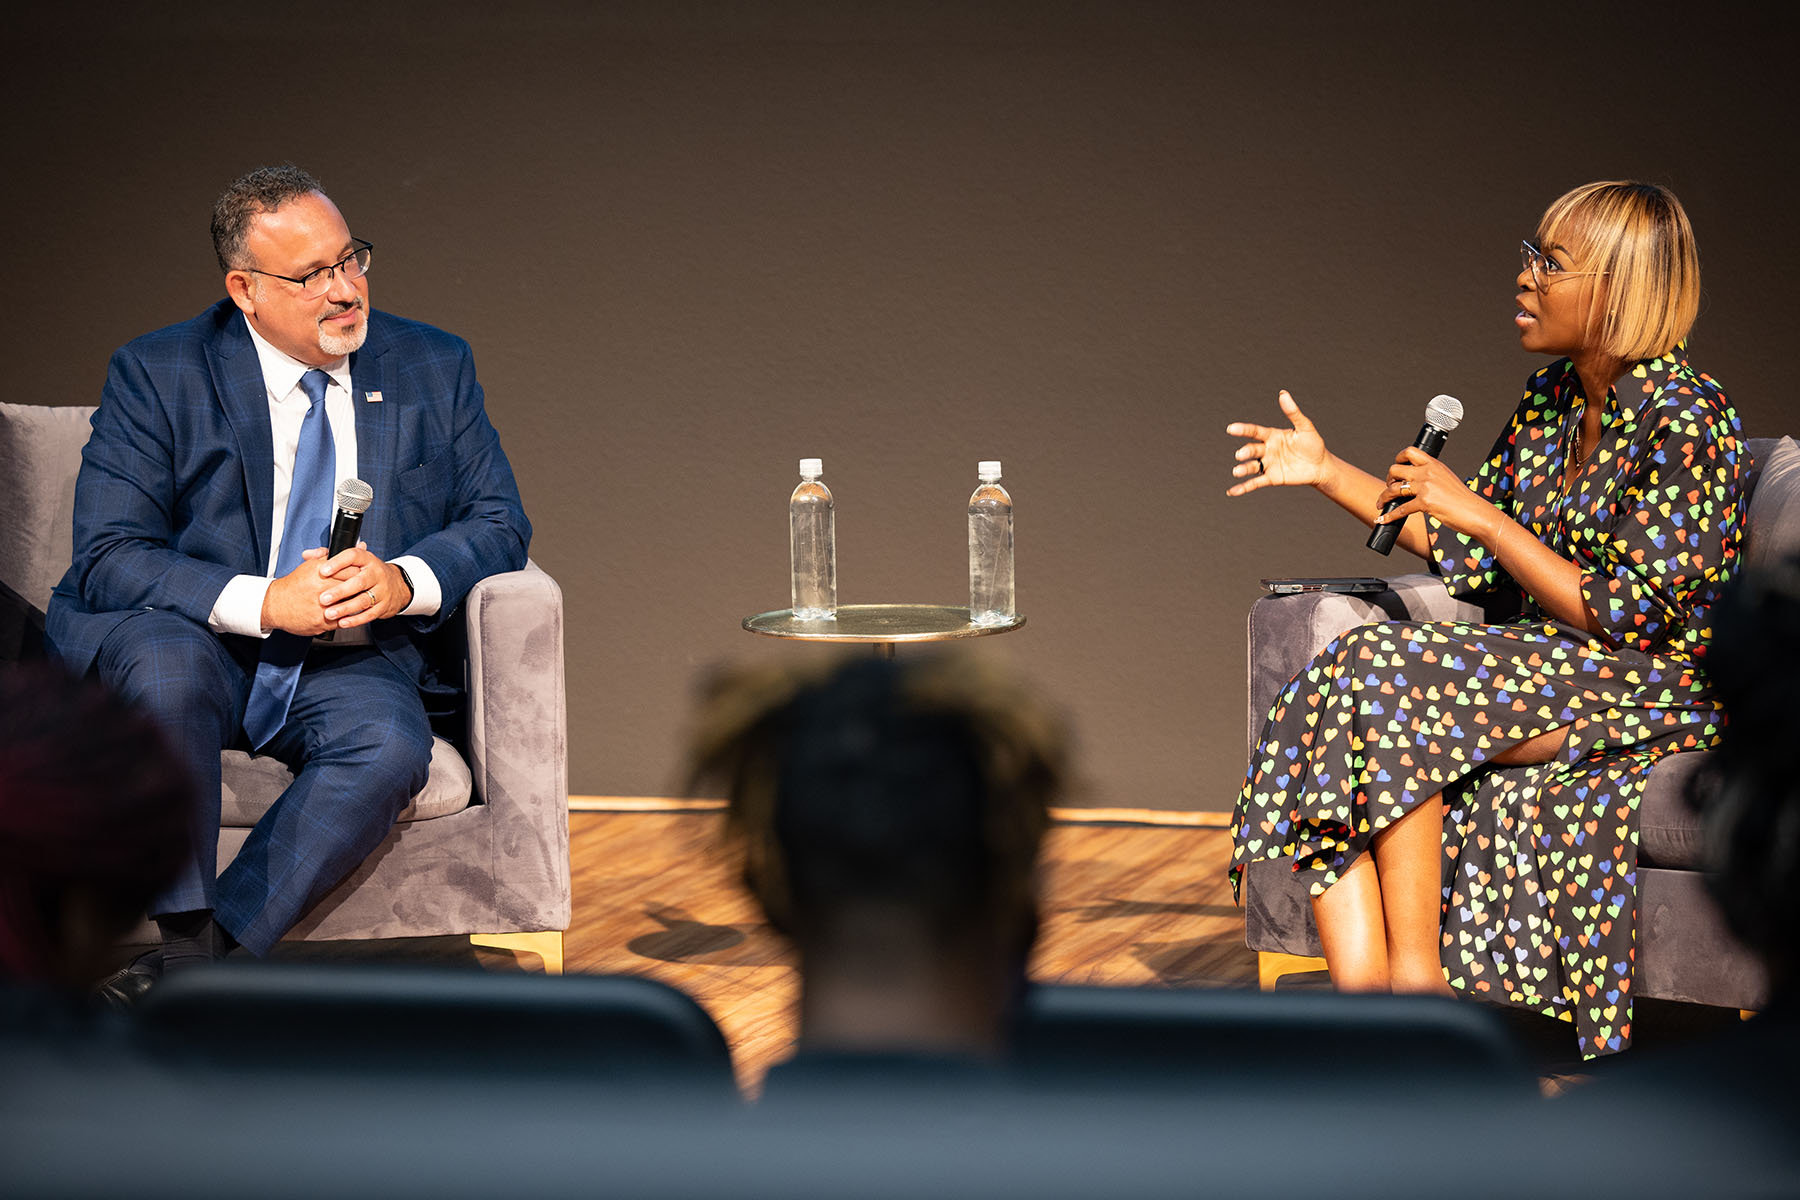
1464 795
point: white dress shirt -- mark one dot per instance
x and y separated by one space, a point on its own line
239 607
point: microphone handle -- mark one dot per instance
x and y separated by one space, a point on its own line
1431 440
344 530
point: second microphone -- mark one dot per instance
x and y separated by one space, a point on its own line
353 500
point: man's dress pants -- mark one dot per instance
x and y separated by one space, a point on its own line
356 739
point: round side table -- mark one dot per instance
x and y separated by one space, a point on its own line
880 625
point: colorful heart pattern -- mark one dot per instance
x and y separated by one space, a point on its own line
1540 862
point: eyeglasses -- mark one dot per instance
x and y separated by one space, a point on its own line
314 284
1544 269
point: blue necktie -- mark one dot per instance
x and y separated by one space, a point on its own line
308 524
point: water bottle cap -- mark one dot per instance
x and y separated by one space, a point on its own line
812 468
988 471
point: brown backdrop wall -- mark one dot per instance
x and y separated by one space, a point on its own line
692 243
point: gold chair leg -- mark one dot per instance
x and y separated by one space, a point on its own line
1272 965
547 946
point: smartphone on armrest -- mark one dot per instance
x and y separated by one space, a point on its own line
1362 585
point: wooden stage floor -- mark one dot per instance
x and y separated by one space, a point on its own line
656 895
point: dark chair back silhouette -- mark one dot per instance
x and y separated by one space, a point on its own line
1228 1039
349 1020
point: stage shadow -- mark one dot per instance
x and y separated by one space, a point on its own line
1108 910
683 939
1198 962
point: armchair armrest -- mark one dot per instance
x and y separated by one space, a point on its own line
518 739
1286 632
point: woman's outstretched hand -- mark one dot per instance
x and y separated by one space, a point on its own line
1278 457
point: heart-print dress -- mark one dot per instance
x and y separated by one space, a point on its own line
1540 862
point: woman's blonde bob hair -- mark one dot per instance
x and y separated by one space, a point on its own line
1638 234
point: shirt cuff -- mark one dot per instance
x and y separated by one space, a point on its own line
239 607
428 593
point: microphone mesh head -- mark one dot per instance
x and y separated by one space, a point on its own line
353 495
1444 412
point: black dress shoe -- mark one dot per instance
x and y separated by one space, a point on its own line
127 985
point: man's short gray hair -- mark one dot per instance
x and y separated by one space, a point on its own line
262 190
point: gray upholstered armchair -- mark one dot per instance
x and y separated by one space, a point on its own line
1684 951
482 850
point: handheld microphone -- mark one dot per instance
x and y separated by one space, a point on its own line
1442 414
353 500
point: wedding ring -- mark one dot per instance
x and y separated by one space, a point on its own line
1406 486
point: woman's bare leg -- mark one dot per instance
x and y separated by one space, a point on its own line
1352 929
1409 859
1381 923
1538 748
1408 856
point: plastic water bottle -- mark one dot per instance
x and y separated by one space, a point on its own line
812 545
990 550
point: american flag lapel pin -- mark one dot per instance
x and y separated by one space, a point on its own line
372 397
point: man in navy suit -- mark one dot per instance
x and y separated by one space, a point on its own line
202 477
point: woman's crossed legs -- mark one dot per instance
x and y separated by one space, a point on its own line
1379 923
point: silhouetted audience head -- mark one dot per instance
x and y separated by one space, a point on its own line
1749 792
93 820
889 816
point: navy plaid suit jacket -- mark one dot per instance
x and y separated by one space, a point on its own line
177 480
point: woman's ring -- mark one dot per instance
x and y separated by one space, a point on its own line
1406 486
